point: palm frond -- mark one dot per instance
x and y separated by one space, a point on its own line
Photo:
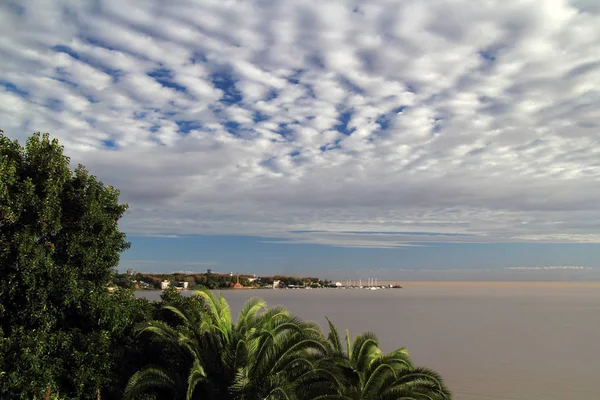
225 315
375 380
348 344
424 382
146 379
241 355
248 313
182 314
398 360
210 302
280 393
293 351
364 350
195 376
420 375
333 337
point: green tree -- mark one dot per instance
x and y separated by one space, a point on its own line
123 281
59 246
266 354
191 281
367 373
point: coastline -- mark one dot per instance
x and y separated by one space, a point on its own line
448 284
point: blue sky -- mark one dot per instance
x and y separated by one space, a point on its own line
444 261
332 136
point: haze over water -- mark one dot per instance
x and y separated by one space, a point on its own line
516 341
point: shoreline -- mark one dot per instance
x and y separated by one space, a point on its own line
442 284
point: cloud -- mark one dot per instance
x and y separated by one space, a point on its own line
338 117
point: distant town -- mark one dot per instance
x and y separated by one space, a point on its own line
213 280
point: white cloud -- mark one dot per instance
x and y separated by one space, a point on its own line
479 120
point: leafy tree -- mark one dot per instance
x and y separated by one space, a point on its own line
59 246
123 280
191 281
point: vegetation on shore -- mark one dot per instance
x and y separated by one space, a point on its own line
63 335
210 280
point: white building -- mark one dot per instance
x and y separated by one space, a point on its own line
165 285
338 284
276 284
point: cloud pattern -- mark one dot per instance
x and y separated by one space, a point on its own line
347 123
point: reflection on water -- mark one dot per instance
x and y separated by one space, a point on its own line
517 341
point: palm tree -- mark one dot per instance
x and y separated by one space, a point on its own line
284 360
183 343
267 354
367 373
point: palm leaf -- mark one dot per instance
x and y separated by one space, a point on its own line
364 350
241 355
195 376
248 313
397 359
376 379
211 303
225 316
334 337
348 345
148 378
293 351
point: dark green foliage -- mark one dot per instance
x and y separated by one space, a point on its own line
59 246
123 281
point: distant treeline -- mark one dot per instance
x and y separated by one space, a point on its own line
211 280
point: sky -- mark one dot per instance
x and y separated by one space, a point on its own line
332 138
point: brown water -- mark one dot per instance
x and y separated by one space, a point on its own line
513 341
